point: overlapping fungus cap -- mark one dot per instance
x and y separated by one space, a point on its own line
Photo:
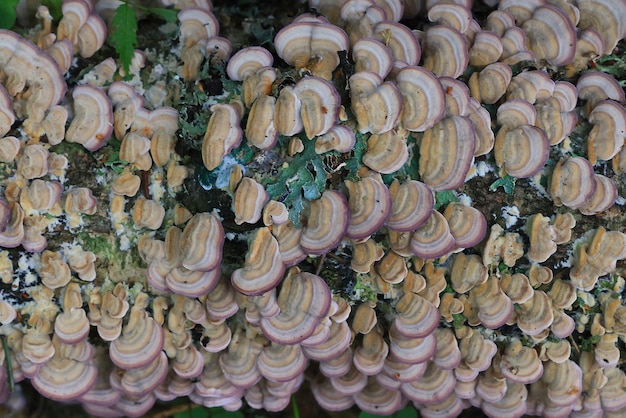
260 130
605 17
304 300
311 44
434 386
597 257
535 315
411 205
222 135
572 183
551 35
195 24
33 162
488 305
33 72
148 213
441 44
250 197
327 222
424 100
467 225
444 167
201 243
401 41
370 205
486 48
319 105
417 318
607 136
371 55
65 378
7 117
263 268
433 239
141 341
92 124
595 86
490 84
72 325
520 364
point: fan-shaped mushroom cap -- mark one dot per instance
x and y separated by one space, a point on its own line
447 152
421 90
141 341
247 61
467 272
522 152
329 398
489 305
339 138
401 41
530 86
195 24
92 124
468 225
376 399
457 96
451 14
376 104
319 103
65 379
260 130
287 119
520 364
417 318
596 86
364 255
370 205
434 386
445 51
327 223
603 197
486 48
263 269
304 300
9 147
535 315
572 183
433 239
148 213
7 117
222 135
369 357
542 237
72 326
551 35
490 84
411 205
608 134
91 36
371 55
606 17
312 45
411 350
33 162
337 343
54 271
386 153
250 197
597 257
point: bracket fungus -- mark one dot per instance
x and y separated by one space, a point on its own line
242 228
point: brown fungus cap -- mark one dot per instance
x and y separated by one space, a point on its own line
420 90
327 222
263 268
444 164
222 135
304 300
92 124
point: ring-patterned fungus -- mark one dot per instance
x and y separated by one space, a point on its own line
387 202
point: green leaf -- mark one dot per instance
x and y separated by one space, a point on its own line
303 178
124 34
54 6
443 198
7 13
507 182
